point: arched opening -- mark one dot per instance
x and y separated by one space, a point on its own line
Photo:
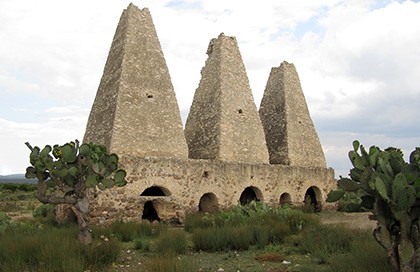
156 191
250 193
285 199
312 199
208 203
149 212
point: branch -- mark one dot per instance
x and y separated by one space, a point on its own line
52 199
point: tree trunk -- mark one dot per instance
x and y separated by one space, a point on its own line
391 248
393 255
81 210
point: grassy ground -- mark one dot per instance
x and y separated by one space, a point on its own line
343 242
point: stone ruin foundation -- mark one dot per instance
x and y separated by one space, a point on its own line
229 152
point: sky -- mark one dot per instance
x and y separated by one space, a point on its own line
358 62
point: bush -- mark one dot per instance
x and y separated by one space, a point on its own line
44 210
210 239
240 238
172 241
323 241
142 244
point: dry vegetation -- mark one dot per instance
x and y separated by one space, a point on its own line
269 240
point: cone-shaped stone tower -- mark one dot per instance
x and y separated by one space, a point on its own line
135 111
290 134
223 123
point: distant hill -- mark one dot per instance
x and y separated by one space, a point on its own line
16 178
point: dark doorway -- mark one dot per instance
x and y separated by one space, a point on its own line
149 212
248 195
311 203
208 203
285 199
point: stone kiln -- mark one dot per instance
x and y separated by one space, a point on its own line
229 153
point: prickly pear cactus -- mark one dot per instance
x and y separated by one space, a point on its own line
390 188
65 173
88 166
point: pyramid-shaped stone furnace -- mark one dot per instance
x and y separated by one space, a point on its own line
229 153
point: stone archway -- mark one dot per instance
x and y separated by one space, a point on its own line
149 212
156 191
208 203
285 199
153 206
312 201
249 194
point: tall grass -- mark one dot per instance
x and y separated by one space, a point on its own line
52 249
364 255
323 241
170 263
245 226
129 231
172 241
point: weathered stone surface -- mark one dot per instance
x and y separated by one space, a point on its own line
290 134
136 115
223 121
225 180
135 110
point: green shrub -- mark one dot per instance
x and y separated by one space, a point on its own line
261 236
172 241
199 220
239 238
142 244
44 210
323 241
209 239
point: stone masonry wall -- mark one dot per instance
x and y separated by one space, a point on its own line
186 181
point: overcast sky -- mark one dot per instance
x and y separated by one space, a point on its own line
358 62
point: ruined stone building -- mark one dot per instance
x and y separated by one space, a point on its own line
228 153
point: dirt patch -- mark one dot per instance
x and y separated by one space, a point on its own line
352 220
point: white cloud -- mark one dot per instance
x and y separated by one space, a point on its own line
63 125
358 62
